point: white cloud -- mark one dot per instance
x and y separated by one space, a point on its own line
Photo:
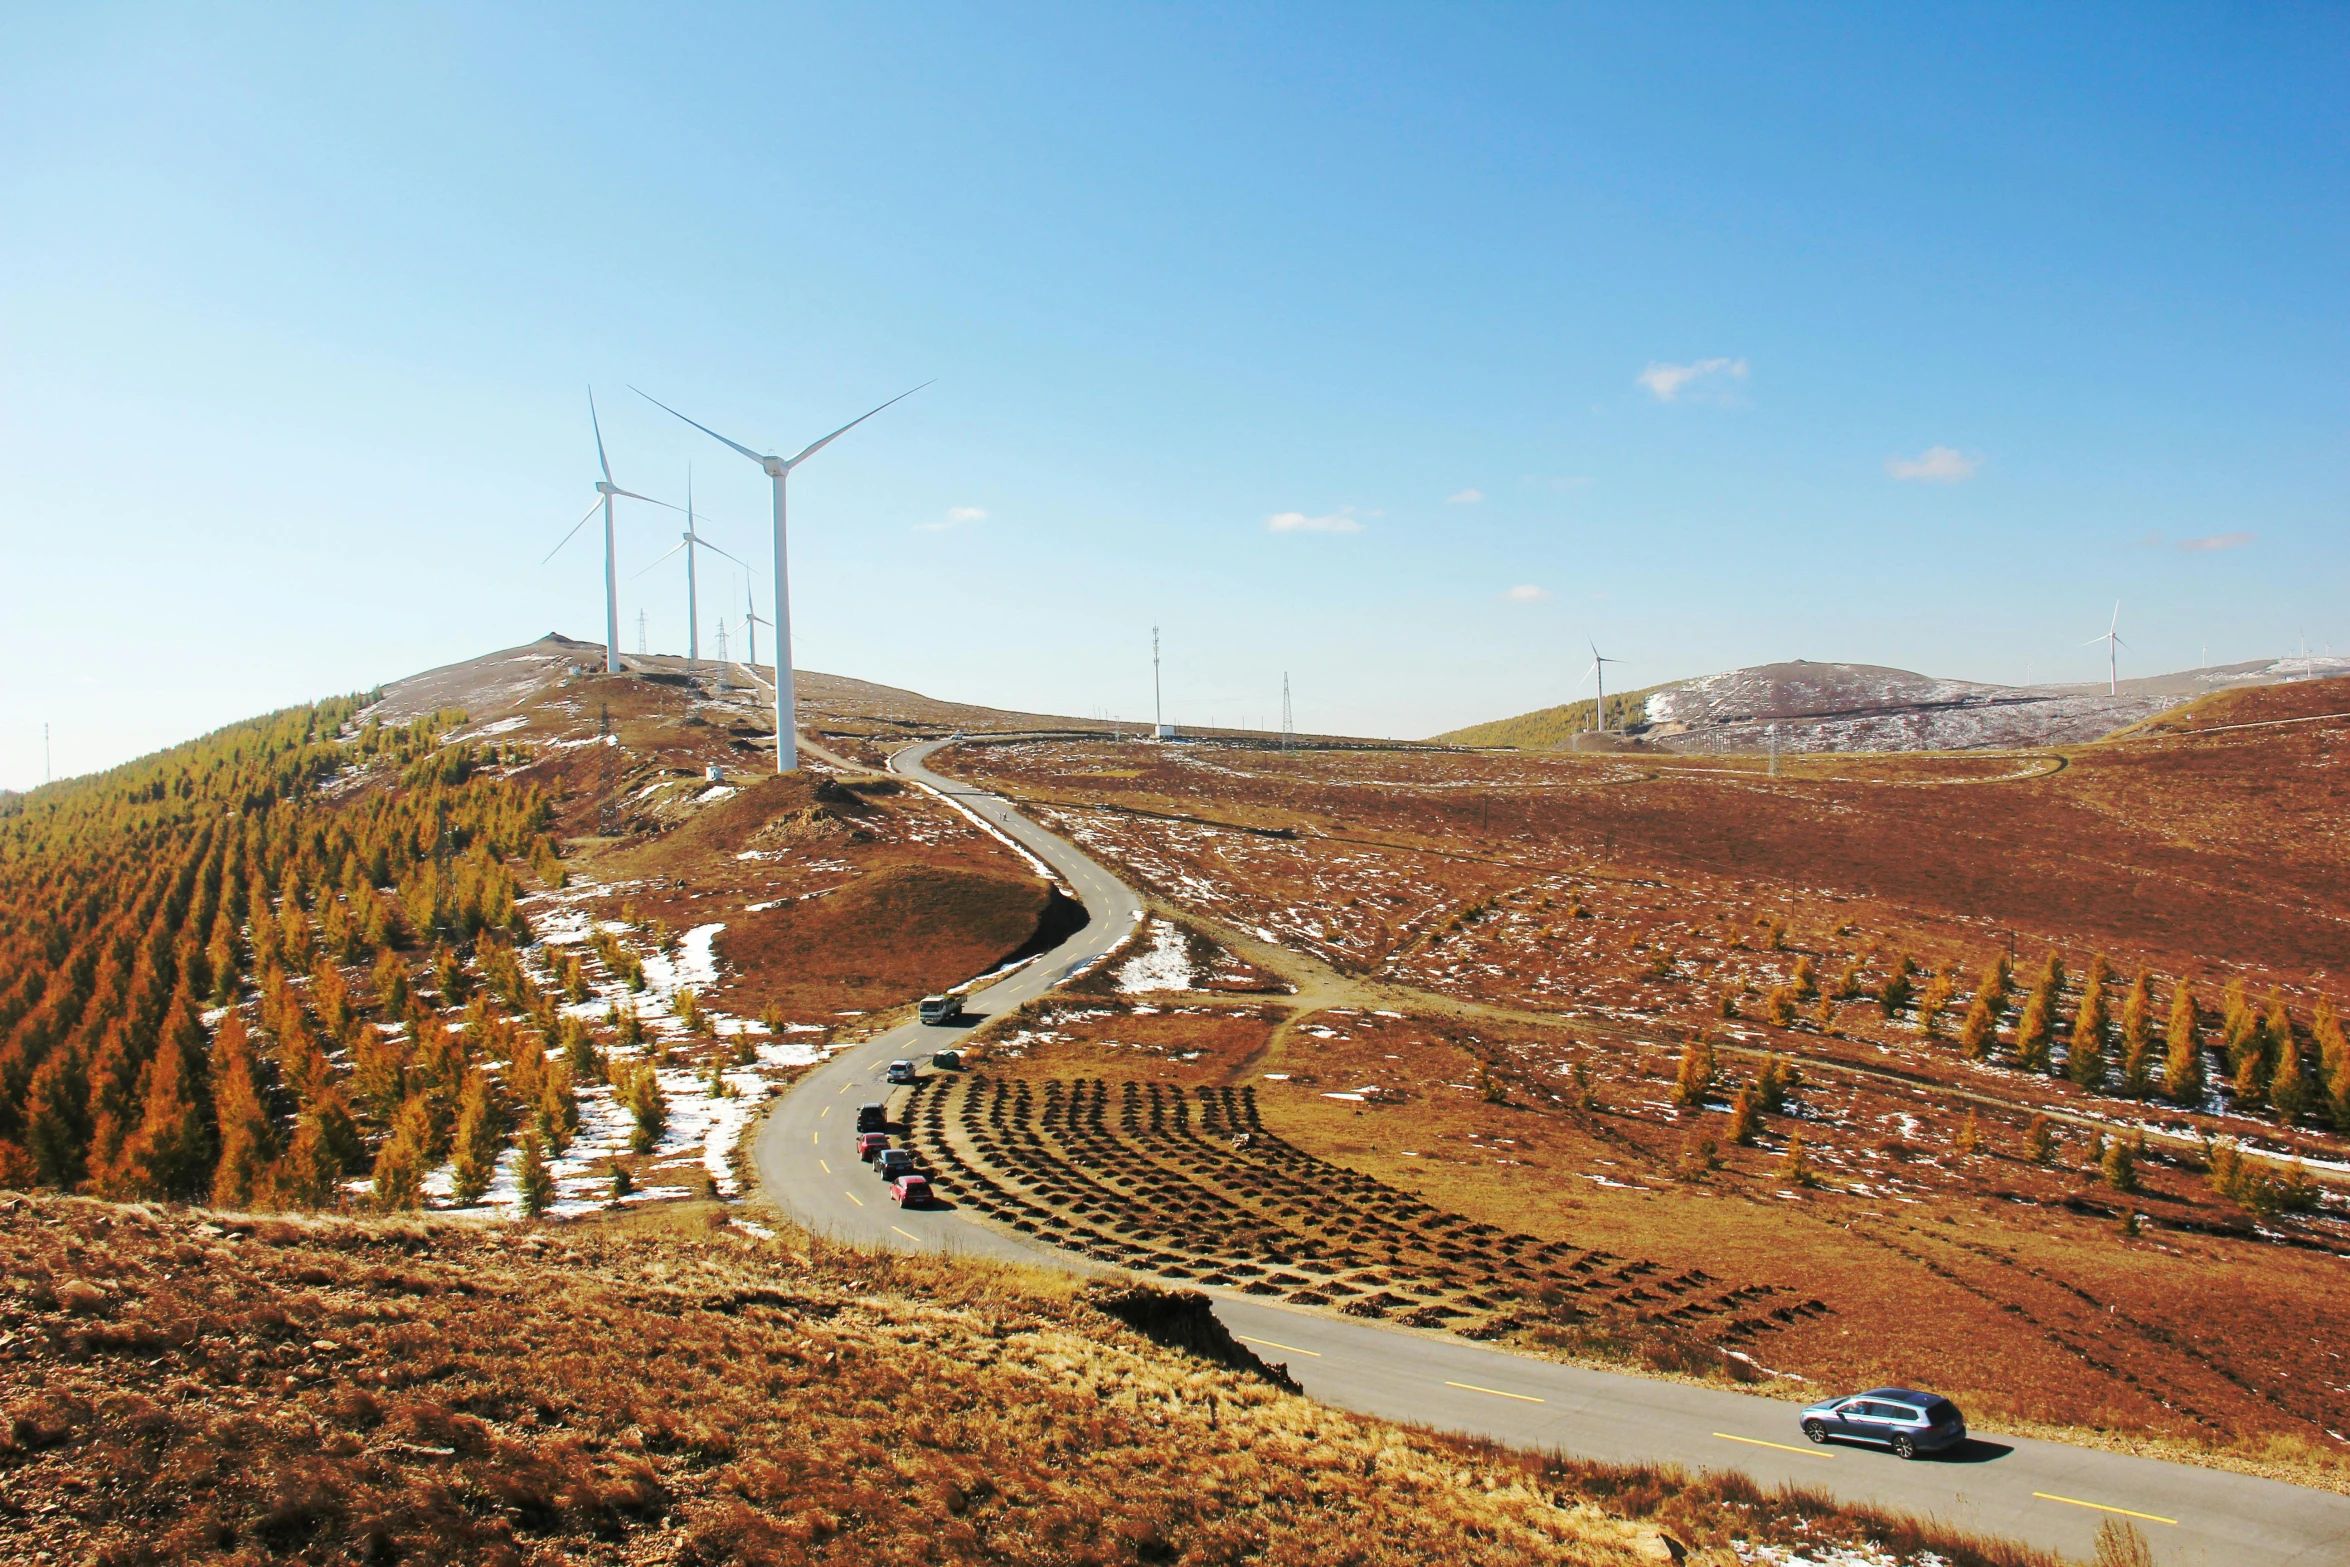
2218 541
1342 520
1935 465
955 518
1526 593
1464 498
1697 378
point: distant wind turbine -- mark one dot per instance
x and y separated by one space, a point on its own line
1598 671
752 621
787 747
693 604
605 490
2111 637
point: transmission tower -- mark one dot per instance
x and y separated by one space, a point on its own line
1288 725
1158 708
722 682
640 633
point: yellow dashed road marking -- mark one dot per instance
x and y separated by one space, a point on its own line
852 1196
1286 1349
1781 1446
2074 1501
1472 1387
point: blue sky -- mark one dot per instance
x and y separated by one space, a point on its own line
1909 335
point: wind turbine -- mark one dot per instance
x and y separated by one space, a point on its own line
787 747
2111 637
693 603
605 490
1599 663
752 621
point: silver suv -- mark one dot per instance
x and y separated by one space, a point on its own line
1907 1421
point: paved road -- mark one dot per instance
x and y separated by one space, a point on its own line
2041 1492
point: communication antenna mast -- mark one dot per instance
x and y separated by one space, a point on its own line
1288 728
46 775
608 814
1158 708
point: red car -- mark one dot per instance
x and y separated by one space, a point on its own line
871 1143
911 1191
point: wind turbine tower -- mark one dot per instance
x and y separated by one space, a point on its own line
1599 663
605 491
2112 639
778 469
693 603
1288 727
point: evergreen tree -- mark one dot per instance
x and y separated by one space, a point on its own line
1695 1079
1991 988
2182 1071
1978 1036
2239 1025
2031 1035
405 1158
1804 982
536 1180
1745 1118
308 1173
240 1177
651 1110
2119 1167
1774 1083
480 1133
2085 1057
2289 1087
2039 1142
170 1153
2333 1054
56 1119
557 1114
1794 1167
2138 1037
1970 1134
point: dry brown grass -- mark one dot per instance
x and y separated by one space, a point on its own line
1515 909
178 1388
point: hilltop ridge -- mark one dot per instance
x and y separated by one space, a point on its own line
1829 707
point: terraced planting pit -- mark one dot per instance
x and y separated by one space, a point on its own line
1186 1182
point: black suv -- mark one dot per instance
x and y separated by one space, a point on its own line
1907 1421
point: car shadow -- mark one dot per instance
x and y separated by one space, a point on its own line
1971 1451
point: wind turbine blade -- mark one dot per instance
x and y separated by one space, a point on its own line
812 449
2117 616
598 426
575 527
647 499
2093 641
697 424
715 550
673 549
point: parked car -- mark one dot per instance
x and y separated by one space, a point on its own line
911 1190
941 1009
872 1118
871 1143
901 1071
1903 1419
893 1162
947 1060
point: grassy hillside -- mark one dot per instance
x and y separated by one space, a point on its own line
1548 727
181 1388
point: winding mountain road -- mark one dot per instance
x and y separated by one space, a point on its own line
2042 1492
